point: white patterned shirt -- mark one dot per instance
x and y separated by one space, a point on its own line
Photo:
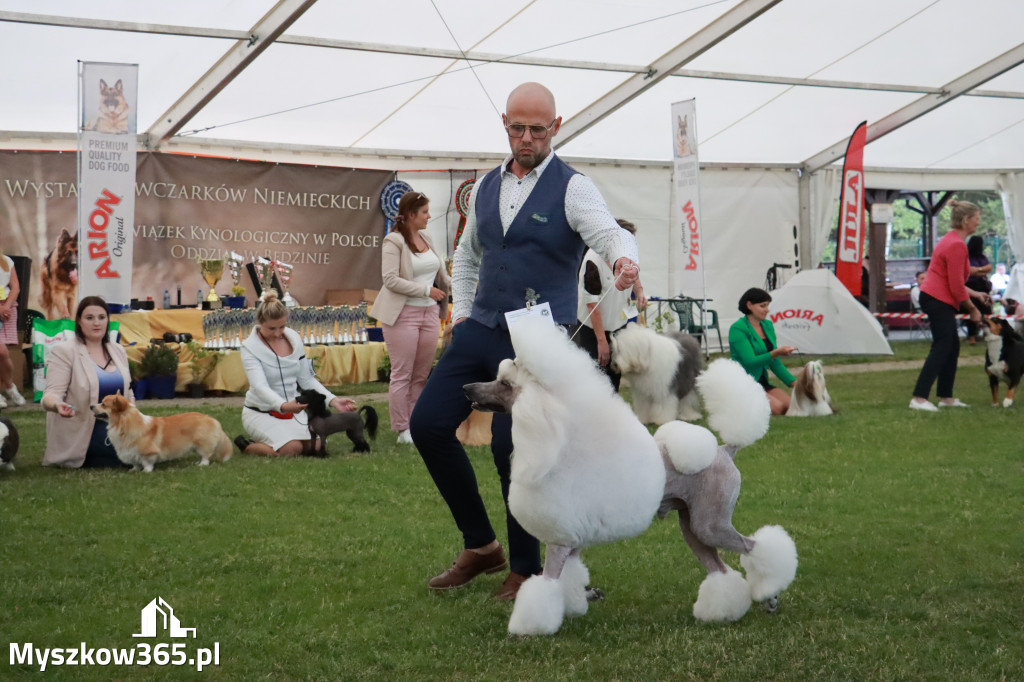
585 211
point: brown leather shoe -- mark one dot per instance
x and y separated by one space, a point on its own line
467 566
510 588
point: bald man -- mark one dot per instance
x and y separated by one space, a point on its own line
529 223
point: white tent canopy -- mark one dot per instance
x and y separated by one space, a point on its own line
777 82
817 314
416 85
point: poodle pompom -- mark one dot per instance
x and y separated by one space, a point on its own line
737 406
771 565
539 608
574 580
689 447
551 357
722 597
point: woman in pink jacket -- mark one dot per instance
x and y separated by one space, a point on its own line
944 293
416 283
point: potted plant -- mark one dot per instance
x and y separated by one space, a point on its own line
384 369
201 363
140 382
237 297
159 364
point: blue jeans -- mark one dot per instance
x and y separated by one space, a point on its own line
474 355
942 357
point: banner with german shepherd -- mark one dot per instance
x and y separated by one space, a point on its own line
685 209
325 221
106 178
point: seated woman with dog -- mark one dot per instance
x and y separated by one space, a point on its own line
276 366
80 373
752 343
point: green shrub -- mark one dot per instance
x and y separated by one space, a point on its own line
158 360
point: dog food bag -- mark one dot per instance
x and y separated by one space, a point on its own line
46 333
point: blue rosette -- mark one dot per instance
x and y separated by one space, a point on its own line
389 198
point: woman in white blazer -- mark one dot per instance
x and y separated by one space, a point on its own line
415 283
80 373
275 364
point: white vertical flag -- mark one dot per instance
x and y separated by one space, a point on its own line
688 278
107 96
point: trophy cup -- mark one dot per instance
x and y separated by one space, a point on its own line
212 269
284 276
235 262
363 314
265 273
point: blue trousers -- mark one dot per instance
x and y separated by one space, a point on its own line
941 362
474 355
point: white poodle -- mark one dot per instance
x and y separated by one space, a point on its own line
661 370
586 471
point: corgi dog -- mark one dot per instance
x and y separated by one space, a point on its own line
1004 358
113 110
141 441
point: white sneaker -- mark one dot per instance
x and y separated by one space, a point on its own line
405 437
955 403
3 403
15 396
926 406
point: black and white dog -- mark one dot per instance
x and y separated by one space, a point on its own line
9 441
1004 358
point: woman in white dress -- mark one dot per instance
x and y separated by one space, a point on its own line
276 366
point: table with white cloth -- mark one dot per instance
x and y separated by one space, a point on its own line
336 364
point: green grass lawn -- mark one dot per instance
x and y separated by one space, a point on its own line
908 526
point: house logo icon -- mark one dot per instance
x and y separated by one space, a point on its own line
158 614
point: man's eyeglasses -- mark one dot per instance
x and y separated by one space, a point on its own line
536 132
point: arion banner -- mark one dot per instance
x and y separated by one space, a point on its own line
685 209
107 96
850 251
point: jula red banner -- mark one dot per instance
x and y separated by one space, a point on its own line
850 250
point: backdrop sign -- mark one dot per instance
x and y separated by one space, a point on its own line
325 221
685 211
850 251
106 177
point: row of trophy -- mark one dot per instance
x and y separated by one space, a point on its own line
316 325
212 269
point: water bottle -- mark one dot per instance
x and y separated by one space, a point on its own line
167 299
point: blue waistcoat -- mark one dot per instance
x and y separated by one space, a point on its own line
539 252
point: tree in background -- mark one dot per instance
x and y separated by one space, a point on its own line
905 235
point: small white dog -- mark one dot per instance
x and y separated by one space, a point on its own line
586 471
810 397
661 370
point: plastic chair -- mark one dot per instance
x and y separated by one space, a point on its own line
919 328
688 310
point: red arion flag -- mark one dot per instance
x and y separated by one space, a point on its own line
850 251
